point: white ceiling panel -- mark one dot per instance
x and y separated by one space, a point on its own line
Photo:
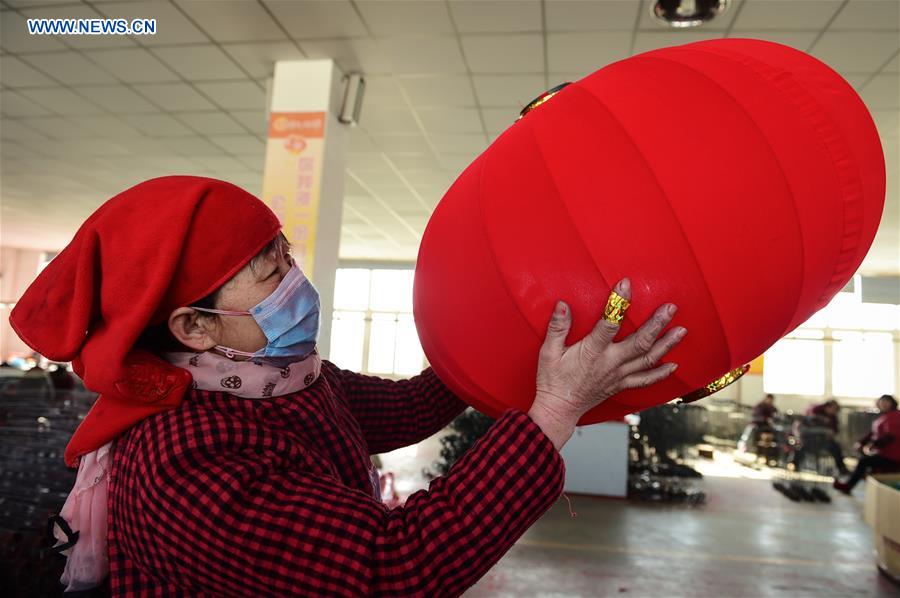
172 26
577 15
220 163
423 55
254 120
382 90
61 100
401 17
882 93
14 36
786 14
888 123
868 14
315 19
508 90
450 120
800 40
585 52
200 63
237 95
13 104
119 99
496 16
429 90
69 68
211 123
377 119
174 96
50 128
20 131
856 51
157 125
414 161
514 53
16 73
651 40
133 65
106 126
360 54
258 59
893 66
497 120
459 143
233 20
190 146
404 144
239 144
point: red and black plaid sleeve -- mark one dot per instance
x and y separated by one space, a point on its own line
247 523
397 413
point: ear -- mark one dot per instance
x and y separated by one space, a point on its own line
192 331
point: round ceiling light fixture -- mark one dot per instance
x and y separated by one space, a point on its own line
687 13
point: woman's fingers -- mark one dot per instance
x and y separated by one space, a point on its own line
605 331
659 350
642 340
647 377
557 330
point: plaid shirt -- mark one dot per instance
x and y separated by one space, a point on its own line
242 497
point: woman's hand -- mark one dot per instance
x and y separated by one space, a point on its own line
573 380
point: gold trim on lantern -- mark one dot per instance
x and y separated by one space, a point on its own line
615 308
541 99
716 385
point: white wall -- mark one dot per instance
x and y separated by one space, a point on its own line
18 268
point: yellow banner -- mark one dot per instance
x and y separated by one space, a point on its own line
292 178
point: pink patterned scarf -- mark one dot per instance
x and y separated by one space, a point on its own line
85 509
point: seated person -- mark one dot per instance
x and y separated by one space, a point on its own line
880 448
826 415
762 418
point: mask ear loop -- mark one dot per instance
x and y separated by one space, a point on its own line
223 312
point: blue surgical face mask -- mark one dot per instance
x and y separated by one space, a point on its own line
289 318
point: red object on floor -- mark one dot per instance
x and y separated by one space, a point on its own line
741 179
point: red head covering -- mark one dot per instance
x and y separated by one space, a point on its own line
159 245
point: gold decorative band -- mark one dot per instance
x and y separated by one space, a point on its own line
615 308
541 99
716 385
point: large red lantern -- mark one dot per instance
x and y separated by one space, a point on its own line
741 179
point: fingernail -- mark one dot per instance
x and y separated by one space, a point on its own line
671 309
673 367
680 332
624 286
560 308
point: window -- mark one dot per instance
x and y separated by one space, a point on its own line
863 364
847 349
796 365
373 330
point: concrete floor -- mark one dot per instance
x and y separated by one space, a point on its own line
747 540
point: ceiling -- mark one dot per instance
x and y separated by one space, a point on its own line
84 117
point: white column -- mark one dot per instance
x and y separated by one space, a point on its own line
303 181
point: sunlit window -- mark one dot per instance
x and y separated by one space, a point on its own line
861 360
796 365
862 364
373 330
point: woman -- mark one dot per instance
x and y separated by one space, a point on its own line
232 460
